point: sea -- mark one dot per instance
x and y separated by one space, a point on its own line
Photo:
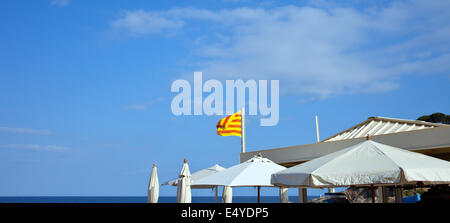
162 199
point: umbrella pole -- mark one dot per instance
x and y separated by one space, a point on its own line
216 194
372 190
259 196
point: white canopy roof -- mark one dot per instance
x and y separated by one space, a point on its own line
198 175
380 126
253 172
365 163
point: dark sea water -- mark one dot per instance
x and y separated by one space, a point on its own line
75 199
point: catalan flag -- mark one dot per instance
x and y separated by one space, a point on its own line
230 125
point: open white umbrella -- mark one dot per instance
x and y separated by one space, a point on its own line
153 186
184 185
367 163
254 172
199 175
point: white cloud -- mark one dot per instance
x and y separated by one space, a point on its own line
51 148
25 131
60 3
316 51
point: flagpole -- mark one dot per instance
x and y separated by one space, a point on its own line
317 129
243 130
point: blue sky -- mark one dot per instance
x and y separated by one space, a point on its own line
85 85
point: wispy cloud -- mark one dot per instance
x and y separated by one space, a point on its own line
317 51
138 23
60 3
25 131
145 106
51 148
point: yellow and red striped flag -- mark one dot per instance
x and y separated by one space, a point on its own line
230 125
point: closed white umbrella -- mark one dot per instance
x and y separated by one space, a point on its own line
366 163
254 172
227 195
184 185
153 186
199 175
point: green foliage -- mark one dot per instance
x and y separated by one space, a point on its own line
436 118
408 193
420 190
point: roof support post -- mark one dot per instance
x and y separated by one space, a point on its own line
302 195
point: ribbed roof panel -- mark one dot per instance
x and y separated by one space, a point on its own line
381 126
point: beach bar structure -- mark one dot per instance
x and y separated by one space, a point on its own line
431 139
